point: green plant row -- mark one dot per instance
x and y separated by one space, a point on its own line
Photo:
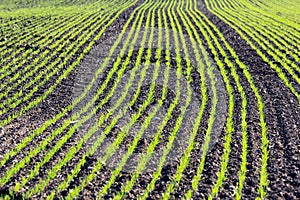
46 10
167 149
143 162
45 33
31 38
7 24
286 9
11 26
194 22
281 28
19 61
55 32
13 66
239 20
155 176
52 68
41 28
52 3
65 73
279 71
11 37
283 20
73 129
91 131
48 123
229 124
156 137
273 31
57 46
164 154
264 142
185 159
260 13
285 40
126 129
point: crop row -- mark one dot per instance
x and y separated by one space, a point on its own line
50 121
63 63
179 24
49 55
276 59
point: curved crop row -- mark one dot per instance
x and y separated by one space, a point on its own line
281 74
172 66
26 160
38 131
277 55
17 57
264 145
124 132
42 60
65 73
58 45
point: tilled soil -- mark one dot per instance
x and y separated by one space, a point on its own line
281 114
282 117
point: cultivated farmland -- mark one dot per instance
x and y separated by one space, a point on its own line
149 99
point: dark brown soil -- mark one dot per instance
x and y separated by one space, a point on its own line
282 115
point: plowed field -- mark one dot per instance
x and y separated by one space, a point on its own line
154 99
